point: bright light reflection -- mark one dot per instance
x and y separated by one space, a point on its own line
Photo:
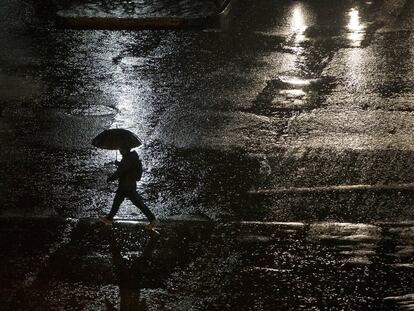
355 27
356 37
295 81
355 74
125 100
298 25
293 93
354 23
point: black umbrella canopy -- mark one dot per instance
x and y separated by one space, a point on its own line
114 139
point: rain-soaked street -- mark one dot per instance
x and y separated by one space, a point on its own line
278 154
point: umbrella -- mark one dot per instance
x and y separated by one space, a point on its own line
114 139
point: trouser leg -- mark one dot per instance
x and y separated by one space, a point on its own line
137 200
119 198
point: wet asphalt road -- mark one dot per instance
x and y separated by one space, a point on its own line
293 95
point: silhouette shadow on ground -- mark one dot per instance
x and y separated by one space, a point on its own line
129 272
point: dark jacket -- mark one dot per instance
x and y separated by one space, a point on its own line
128 172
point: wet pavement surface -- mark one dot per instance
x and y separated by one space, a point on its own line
76 264
290 95
144 8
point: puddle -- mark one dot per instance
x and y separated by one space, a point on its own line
292 93
94 111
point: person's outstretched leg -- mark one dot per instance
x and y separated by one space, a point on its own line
136 199
118 199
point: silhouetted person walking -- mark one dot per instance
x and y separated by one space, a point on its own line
129 172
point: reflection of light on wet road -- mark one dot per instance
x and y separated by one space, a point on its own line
355 74
115 76
124 99
298 25
350 243
355 243
130 95
112 78
293 93
354 24
295 81
355 27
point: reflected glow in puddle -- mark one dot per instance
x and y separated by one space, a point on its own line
134 61
356 37
130 222
298 25
354 23
98 110
295 81
273 223
293 93
356 28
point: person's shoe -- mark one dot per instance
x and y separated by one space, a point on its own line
152 224
105 220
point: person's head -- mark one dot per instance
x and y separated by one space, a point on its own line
124 150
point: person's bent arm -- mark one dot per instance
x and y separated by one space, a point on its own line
122 169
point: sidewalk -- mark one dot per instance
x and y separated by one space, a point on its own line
200 265
146 14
